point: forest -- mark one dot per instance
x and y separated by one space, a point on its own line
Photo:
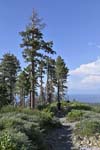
42 80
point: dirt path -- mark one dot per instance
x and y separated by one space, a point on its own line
61 138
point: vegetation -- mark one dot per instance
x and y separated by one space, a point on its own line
88 128
34 46
75 115
9 68
61 72
24 128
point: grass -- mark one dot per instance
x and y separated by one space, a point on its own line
74 115
88 128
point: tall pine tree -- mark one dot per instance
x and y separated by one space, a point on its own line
34 48
61 72
50 69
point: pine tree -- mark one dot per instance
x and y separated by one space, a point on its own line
61 72
9 68
41 73
23 86
34 48
50 67
4 99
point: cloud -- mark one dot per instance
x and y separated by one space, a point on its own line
87 69
86 77
92 79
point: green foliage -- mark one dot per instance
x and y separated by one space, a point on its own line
35 49
4 99
61 72
65 103
23 85
46 120
80 106
52 108
51 78
8 108
6 142
74 115
26 128
41 107
87 128
96 108
9 67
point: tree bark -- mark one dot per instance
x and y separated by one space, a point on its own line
58 97
32 92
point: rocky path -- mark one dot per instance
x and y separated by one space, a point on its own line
61 138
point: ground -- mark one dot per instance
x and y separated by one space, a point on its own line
61 138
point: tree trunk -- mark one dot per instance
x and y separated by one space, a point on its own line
58 97
47 84
32 92
22 100
41 88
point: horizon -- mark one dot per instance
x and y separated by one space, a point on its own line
74 27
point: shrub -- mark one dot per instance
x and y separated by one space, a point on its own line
65 103
41 107
25 127
88 128
96 109
80 106
8 108
22 141
47 120
6 142
74 115
37 138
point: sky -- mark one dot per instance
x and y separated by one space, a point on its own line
74 27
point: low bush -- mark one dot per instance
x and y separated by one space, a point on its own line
87 128
41 107
8 108
47 120
96 109
25 128
74 115
80 106
6 142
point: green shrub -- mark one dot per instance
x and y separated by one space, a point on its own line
8 108
65 103
6 142
37 138
96 109
41 107
22 141
88 128
80 106
47 120
74 115
26 127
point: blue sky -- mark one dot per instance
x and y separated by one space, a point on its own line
74 27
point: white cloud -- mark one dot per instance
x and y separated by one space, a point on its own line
86 77
87 69
92 79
